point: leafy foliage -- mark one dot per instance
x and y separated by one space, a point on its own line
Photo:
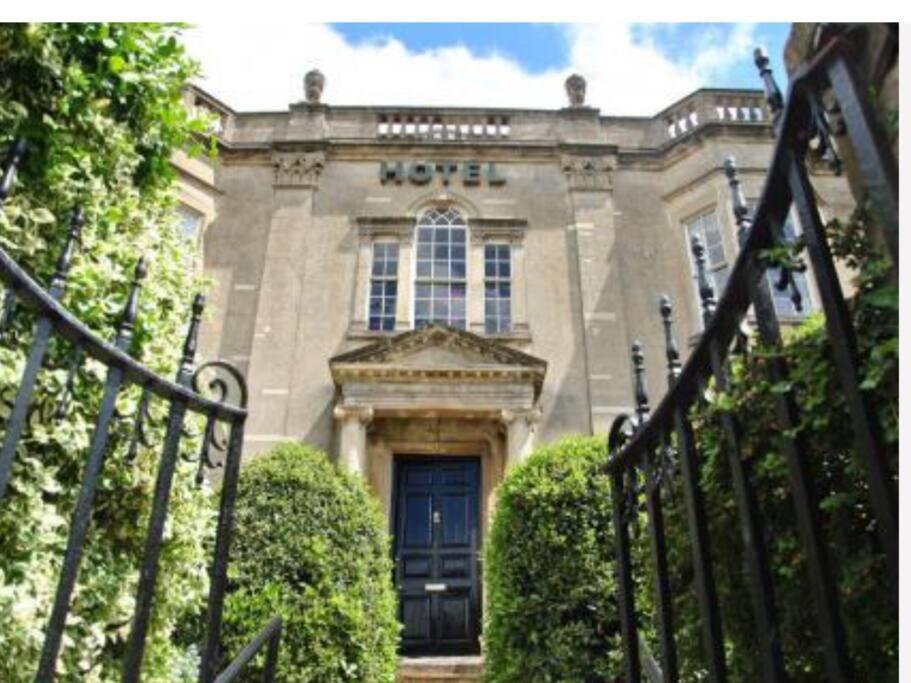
311 545
100 106
870 615
551 609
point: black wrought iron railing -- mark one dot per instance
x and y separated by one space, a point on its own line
639 443
224 411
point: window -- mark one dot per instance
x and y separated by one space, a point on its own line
383 286
440 278
190 221
784 307
705 227
497 288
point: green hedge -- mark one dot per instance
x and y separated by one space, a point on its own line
311 545
551 610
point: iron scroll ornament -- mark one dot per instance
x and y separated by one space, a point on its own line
222 383
622 431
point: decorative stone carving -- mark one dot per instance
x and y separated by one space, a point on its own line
530 416
435 354
361 414
510 229
588 173
575 90
401 228
298 169
520 432
314 82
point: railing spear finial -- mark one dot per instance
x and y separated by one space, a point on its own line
130 311
58 280
185 374
640 391
741 211
772 93
13 159
670 341
706 290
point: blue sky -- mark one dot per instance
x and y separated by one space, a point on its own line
631 68
539 47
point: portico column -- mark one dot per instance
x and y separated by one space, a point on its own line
521 426
352 433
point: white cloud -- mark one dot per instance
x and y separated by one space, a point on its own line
260 67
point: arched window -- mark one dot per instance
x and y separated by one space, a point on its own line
440 276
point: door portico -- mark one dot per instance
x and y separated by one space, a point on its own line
430 403
436 372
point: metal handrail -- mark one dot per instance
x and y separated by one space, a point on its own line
70 327
642 444
270 634
183 395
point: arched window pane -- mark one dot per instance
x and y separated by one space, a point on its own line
440 285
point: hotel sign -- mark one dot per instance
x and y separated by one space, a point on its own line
422 172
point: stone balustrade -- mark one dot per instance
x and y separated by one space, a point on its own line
706 106
427 126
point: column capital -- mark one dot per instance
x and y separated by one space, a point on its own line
531 416
362 414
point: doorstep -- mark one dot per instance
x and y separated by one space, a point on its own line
468 669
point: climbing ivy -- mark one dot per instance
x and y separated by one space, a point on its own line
868 609
101 108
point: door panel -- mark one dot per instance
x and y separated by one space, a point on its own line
416 617
436 549
456 510
418 516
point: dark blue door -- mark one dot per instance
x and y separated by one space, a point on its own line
436 554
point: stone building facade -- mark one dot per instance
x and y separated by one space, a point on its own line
426 293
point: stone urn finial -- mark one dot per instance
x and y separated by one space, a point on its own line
314 81
575 90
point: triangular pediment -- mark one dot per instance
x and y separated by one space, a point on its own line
439 346
438 368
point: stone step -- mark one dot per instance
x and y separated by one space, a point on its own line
440 669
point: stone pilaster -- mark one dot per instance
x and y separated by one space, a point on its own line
405 292
278 309
475 289
598 268
352 437
521 428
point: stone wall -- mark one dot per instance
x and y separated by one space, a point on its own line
595 203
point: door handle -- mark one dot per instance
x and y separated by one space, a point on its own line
435 587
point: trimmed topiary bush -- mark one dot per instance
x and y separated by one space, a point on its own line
311 544
551 606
